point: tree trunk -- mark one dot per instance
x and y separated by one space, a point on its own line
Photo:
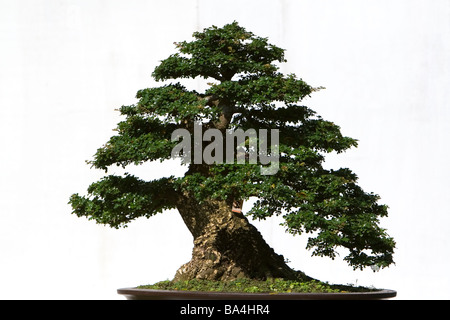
227 246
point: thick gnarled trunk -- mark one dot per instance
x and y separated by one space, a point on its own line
227 246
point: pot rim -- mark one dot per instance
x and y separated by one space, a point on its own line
154 294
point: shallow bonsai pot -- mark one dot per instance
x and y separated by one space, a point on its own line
152 294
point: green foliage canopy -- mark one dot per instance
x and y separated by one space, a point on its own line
248 91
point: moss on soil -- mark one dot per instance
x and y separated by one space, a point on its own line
255 286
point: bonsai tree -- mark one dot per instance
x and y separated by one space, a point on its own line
279 150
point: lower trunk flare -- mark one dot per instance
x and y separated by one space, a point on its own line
228 247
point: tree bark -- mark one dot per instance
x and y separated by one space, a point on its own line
227 246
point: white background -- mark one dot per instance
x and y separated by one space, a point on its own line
66 65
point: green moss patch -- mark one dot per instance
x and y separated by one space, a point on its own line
254 286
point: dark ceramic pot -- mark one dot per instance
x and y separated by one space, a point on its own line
150 294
